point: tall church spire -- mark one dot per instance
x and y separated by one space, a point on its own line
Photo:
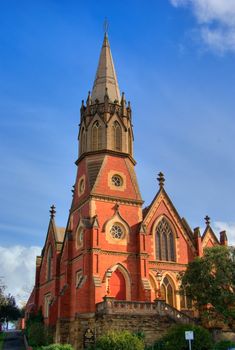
105 80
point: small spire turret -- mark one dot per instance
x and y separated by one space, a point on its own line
123 104
196 232
88 101
223 238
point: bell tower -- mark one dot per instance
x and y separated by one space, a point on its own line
106 118
107 206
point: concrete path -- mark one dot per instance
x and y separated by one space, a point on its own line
14 341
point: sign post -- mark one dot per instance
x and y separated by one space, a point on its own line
189 336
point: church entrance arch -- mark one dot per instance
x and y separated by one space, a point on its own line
119 283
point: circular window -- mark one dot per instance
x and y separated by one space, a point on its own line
80 237
116 231
82 186
117 180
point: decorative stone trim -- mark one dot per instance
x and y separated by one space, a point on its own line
81 185
117 220
120 200
97 281
159 308
146 283
63 289
165 263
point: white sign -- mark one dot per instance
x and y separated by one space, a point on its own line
189 335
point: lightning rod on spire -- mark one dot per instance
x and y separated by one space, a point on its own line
106 25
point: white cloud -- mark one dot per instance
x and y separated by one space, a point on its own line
228 227
216 19
18 270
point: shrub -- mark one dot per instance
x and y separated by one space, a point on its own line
38 334
224 345
175 339
119 340
57 347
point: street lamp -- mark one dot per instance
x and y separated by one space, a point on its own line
108 276
159 278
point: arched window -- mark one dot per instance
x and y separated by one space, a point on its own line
158 246
96 136
129 142
117 136
185 301
165 243
47 302
167 291
49 263
83 141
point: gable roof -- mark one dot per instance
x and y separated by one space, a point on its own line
59 234
182 223
209 232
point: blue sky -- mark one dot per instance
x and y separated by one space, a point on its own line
175 61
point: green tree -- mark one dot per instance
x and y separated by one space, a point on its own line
210 282
9 311
37 333
175 339
2 295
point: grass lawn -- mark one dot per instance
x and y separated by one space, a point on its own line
2 336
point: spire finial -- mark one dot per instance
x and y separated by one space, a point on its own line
52 211
106 26
161 179
207 220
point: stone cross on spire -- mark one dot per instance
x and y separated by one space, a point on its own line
105 79
207 220
161 179
52 211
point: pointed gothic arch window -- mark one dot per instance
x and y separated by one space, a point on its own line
117 136
158 246
165 243
96 136
83 141
168 291
49 263
129 142
185 301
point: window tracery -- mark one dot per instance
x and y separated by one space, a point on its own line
117 180
83 141
116 231
96 136
165 244
117 136
49 263
167 291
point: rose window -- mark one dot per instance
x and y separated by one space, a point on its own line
116 231
117 180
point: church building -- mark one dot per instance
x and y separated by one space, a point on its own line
114 256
